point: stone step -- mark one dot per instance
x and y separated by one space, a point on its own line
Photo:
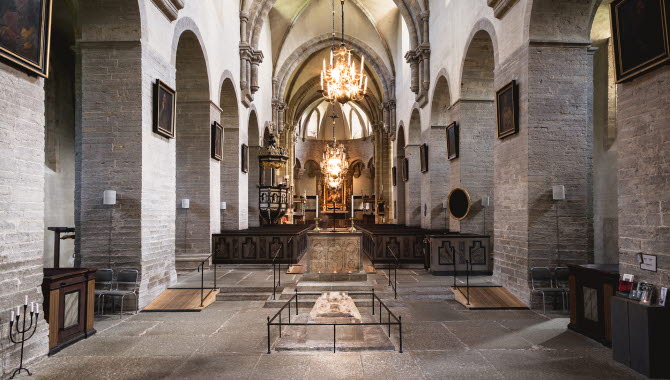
288 294
243 296
250 289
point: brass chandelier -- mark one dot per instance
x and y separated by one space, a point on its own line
340 81
334 165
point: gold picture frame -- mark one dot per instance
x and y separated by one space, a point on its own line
31 47
165 107
459 203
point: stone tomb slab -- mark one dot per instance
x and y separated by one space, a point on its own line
334 308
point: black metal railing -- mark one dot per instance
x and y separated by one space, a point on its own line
468 269
201 269
392 319
276 270
396 263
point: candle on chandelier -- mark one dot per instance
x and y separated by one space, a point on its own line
331 60
349 59
365 88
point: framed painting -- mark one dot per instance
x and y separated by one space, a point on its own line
217 141
245 158
394 176
25 34
640 36
507 102
405 169
452 141
165 104
423 153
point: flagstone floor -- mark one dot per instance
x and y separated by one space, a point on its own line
442 340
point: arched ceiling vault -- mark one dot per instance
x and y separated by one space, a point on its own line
296 24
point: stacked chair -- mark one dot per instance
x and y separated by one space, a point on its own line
553 282
125 284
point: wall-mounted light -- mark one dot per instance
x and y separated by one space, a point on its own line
444 204
109 197
223 205
185 203
558 192
486 201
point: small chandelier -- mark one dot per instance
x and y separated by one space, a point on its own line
334 165
339 80
273 156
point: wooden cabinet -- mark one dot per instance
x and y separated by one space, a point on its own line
591 288
69 298
641 337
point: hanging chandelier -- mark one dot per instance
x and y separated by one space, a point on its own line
334 165
340 81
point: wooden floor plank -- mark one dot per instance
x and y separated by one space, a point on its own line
181 300
487 297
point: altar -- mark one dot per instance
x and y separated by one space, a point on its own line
335 255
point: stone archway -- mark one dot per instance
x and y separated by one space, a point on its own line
475 113
234 216
255 171
436 183
194 164
400 183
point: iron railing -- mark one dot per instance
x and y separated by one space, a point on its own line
276 270
393 284
468 268
392 319
201 269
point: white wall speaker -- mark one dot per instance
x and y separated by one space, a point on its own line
559 192
185 203
109 197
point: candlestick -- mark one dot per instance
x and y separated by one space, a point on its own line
17 334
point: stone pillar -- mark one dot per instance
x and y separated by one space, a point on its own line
254 182
435 184
552 148
411 58
413 206
197 180
230 179
477 131
22 204
255 60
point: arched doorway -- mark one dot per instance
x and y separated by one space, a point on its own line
437 183
475 113
193 155
399 181
233 217
255 173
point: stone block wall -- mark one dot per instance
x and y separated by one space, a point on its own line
643 125
22 205
435 184
510 173
158 185
413 205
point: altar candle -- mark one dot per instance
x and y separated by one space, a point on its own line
317 206
26 301
352 206
12 319
18 310
38 308
32 307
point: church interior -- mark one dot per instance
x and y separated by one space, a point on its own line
289 189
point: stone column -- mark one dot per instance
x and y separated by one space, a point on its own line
254 182
552 148
413 206
435 184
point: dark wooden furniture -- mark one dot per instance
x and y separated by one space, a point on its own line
591 289
641 337
406 243
69 298
468 247
258 245
57 238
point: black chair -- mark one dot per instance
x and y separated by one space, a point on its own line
126 284
561 279
104 279
542 281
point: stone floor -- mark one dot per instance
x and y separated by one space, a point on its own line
442 340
